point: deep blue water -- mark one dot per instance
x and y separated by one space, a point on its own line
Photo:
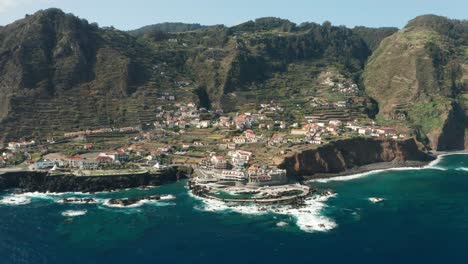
424 219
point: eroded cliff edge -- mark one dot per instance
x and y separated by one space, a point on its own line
30 181
343 155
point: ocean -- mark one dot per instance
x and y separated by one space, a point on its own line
423 218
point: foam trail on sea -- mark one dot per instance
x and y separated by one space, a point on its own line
308 217
73 213
13 200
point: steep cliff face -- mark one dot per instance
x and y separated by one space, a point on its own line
342 155
453 132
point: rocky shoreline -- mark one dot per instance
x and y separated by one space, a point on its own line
28 181
340 158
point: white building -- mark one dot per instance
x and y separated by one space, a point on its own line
239 158
232 175
119 156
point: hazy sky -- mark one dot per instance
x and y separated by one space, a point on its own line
124 14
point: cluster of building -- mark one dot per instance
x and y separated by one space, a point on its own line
339 83
238 161
237 169
315 129
248 136
21 146
378 131
78 162
181 116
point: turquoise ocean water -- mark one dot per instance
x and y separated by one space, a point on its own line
423 219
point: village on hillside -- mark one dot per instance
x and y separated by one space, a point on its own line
240 146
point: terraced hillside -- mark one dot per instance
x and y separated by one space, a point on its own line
59 73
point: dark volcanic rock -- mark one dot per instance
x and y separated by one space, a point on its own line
342 155
41 182
133 200
79 200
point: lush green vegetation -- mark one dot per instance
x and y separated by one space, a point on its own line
60 73
451 28
421 84
429 115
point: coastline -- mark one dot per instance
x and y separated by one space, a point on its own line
383 166
379 166
36 181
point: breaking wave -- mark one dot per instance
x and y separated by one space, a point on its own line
13 200
308 217
431 166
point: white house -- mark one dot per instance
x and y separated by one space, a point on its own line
232 175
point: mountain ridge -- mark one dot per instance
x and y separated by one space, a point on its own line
418 75
61 73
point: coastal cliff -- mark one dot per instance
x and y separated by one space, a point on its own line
41 182
343 155
452 136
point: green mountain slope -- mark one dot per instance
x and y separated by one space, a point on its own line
60 73
418 77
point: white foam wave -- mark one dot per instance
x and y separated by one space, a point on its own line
441 156
47 195
168 197
281 224
376 199
308 218
38 195
13 200
362 175
430 166
73 213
